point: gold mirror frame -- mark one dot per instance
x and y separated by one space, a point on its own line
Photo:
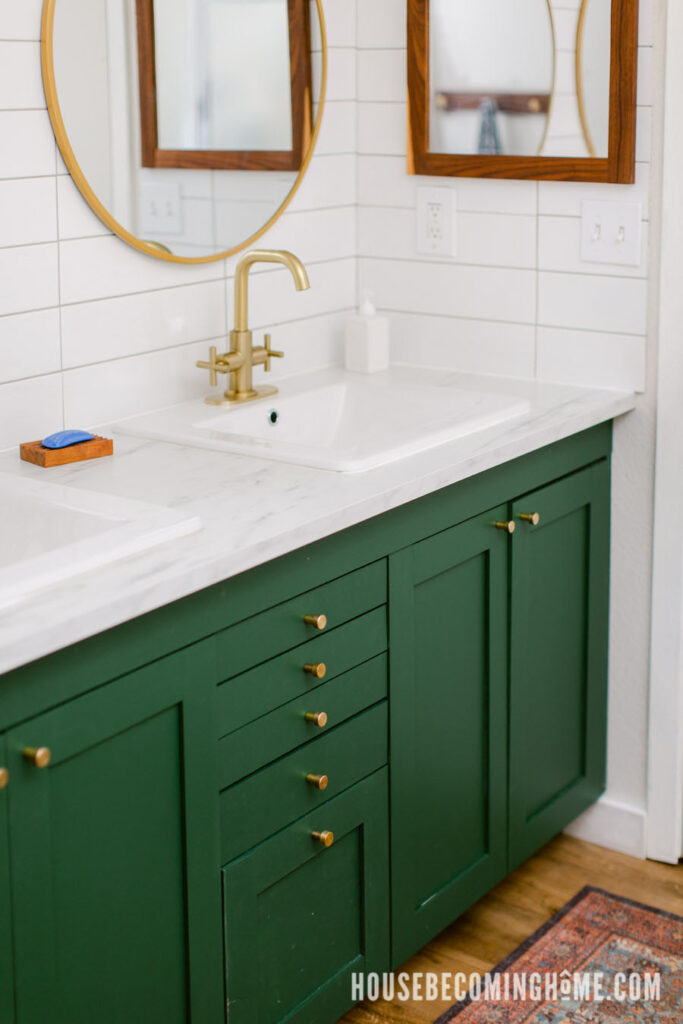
578 71
150 248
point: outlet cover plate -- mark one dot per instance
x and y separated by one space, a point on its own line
611 233
436 209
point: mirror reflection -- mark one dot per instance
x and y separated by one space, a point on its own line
529 78
593 73
190 120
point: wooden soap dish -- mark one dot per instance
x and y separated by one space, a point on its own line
34 452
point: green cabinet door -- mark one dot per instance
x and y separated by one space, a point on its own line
558 674
6 956
300 918
114 853
448 657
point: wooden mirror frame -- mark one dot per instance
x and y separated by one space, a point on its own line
618 167
228 160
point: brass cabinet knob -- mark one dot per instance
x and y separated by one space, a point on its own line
319 669
318 718
39 756
509 526
317 621
4 778
320 782
326 838
530 517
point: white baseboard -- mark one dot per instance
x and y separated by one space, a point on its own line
617 826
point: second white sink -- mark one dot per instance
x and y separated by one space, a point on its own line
51 532
336 420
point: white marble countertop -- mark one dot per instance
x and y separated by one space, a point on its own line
253 511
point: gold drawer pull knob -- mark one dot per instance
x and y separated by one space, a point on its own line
320 782
39 756
317 621
326 838
318 718
509 526
319 669
530 517
4 778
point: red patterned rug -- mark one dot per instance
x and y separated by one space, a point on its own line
596 961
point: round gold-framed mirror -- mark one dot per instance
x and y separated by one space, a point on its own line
141 114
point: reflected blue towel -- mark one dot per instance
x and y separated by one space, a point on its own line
489 136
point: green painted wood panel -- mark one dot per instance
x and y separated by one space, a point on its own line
448 750
286 728
275 682
281 628
299 919
252 810
114 852
558 658
50 681
6 953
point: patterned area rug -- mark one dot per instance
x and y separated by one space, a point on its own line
622 944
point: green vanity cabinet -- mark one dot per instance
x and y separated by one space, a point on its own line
448 637
429 686
114 853
558 656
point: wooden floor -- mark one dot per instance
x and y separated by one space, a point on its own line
518 906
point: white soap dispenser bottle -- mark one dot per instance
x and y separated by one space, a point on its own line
367 340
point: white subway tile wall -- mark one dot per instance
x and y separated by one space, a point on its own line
90 329
515 299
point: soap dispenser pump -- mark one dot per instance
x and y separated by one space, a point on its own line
367 340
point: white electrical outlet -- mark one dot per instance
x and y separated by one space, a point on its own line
611 233
160 210
436 221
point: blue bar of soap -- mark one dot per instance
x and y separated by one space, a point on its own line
65 438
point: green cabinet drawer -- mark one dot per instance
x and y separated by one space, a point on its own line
274 683
278 629
269 737
264 803
300 918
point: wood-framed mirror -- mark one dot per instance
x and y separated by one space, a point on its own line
186 149
536 89
258 55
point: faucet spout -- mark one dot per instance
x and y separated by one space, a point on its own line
287 259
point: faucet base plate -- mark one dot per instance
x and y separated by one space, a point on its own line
240 397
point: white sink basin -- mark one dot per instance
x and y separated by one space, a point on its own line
49 533
336 420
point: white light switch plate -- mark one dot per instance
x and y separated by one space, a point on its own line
436 209
611 233
160 210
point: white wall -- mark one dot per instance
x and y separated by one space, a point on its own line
91 330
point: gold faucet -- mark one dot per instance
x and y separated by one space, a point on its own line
240 361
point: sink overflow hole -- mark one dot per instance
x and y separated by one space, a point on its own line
273 416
